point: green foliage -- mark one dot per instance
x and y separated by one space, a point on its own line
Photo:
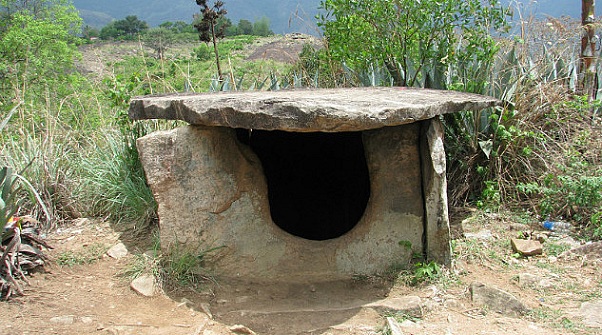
159 39
178 27
126 29
261 27
245 27
574 192
113 183
426 272
414 40
186 267
37 48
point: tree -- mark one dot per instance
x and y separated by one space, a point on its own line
207 26
587 60
38 44
178 27
414 40
159 39
90 32
262 27
131 26
245 27
127 28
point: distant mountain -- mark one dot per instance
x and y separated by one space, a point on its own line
285 15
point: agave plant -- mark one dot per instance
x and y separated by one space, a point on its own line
19 238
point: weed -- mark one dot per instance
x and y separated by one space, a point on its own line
426 272
186 267
554 318
554 249
87 255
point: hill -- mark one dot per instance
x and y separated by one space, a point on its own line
282 13
285 15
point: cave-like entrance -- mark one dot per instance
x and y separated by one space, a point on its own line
318 183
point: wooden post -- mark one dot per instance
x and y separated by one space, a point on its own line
587 62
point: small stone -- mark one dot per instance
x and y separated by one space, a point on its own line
242 299
533 281
410 305
454 304
393 326
527 247
240 329
145 285
481 235
408 324
591 312
86 319
205 307
592 250
65 319
496 300
118 251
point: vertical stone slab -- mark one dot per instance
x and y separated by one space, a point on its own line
202 180
434 186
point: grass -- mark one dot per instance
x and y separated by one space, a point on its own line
181 267
554 318
86 255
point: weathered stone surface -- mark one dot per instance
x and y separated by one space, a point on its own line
145 285
410 305
393 326
592 250
211 192
434 183
480 235
240 329
591 312
527 247
328 110
496 300
117 251
533 281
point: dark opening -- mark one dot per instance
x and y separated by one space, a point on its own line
318 183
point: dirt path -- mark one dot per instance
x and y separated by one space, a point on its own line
95 299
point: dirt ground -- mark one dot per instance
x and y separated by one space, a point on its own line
96 298
89 294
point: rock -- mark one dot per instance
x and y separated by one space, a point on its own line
86 319
360 323
65 319
410 305
481 235
592 250
393 326
533 281
496 300
591 312
117 251
330 110
240 329
145 285
527 247
206 308
454 304
211 179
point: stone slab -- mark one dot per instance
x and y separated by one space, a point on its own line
327 110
